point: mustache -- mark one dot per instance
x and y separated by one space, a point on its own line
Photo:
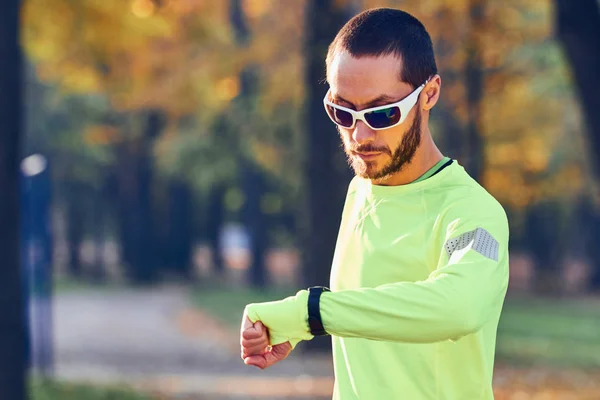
370 149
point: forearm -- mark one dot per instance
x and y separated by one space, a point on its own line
287 319
454 301
457 302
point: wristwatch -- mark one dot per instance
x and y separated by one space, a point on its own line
314 310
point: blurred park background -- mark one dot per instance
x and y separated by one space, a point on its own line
176 163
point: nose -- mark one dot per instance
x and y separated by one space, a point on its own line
362 134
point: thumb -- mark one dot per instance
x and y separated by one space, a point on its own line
277 353
281 351
252 331
259 327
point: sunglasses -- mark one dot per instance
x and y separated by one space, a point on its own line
376 118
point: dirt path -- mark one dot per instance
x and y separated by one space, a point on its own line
152 339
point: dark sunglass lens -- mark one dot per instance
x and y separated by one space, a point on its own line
340 117
383 118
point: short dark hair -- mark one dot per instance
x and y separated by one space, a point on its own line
384 31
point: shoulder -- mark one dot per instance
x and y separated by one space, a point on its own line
354 185
469 205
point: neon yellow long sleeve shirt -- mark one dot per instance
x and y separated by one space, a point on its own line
418 281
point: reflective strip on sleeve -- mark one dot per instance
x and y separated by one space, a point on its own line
479 240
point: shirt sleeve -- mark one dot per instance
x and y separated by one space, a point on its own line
287 319
457 299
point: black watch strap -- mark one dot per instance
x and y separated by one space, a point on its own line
314 310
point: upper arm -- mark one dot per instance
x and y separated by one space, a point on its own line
482 229
474 257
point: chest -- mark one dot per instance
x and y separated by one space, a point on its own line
385 242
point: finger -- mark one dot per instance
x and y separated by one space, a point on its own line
277 353
246 323
256 348
260 328
256 361
254 351
253 333
255 342
281 351
264 360
250 333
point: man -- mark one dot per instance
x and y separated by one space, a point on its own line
420 269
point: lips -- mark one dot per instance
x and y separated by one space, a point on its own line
367 156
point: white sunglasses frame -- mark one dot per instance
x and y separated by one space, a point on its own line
405 105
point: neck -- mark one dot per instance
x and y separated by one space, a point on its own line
426 156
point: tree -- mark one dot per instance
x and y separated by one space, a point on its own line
179 233
152 77
12 330
135 181
326 172
505 91
252 178
160 63
474 82
577 27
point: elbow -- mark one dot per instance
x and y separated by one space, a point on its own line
474 320
467 320
471 313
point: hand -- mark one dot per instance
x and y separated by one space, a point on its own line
255 345
254 338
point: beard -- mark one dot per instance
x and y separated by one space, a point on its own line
400 158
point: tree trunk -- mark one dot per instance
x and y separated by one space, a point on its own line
544 229
99 273
12 329
577 25
252 178
179 239
146 256
75 238
136 211
256 222
326 171
451 137
451 130
75 227
133 199
214 225
473 151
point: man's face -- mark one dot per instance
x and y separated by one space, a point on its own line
360 83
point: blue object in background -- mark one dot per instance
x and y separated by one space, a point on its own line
36 261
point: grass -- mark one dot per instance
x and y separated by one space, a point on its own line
50 390
531 331
550 331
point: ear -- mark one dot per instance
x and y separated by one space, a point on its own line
431 93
